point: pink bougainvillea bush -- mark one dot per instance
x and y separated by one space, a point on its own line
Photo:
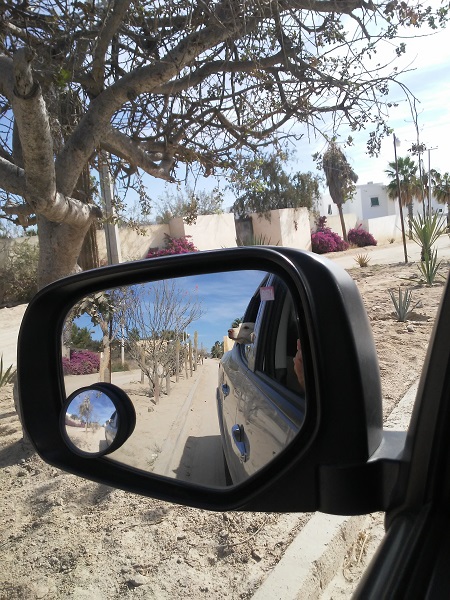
81 362
181 245
324 240
360 237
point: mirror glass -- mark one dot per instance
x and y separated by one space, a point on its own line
212 364
91 421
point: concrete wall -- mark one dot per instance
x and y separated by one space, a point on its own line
334 222
287 227
133 244
209 232
384 229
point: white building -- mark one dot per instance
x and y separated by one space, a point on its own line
371 201
371 208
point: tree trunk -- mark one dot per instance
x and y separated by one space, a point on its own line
341 216
177 361
410 218
89 258
59 249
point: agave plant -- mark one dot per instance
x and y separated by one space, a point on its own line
429 267
426 230
362 260
402 303
8 375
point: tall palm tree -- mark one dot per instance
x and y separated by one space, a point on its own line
340 177
442 192
410 184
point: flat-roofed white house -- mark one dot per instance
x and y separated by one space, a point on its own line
374 210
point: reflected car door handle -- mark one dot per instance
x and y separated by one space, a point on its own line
225 389
238 435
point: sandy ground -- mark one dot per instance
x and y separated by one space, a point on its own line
65 537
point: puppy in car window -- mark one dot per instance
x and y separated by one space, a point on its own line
242 334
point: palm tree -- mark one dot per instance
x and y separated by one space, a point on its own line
410 184
442 192
340 177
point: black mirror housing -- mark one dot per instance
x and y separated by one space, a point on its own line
343 423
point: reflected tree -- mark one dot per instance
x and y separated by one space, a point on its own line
155 317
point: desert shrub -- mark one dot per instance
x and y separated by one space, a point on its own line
181 245
6 375
81 363
325 240
362 260
117 366
360 237
402 303
18 274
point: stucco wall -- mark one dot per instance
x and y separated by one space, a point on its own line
334 222
132 244
287 227
209 232
384 229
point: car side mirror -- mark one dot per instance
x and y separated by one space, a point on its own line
307 448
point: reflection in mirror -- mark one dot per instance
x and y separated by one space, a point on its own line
91 421
212 364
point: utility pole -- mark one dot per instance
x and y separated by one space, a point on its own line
429 179
111 229
397 142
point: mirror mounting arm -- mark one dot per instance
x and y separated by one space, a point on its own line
368 487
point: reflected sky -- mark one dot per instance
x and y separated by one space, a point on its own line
224 297
103 407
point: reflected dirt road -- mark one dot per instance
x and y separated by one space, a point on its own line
179 437
192 450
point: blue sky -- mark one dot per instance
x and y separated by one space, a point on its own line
427 60
224 297
103 407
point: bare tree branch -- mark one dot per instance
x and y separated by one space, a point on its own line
119 144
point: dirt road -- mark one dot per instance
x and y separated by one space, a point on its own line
192 450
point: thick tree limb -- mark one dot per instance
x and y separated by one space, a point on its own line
6 76
89 132
112 23
70 211
36 140
65 210
119 144
12 177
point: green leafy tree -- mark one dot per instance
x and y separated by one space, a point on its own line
340 178
410 184
217 350
188 204
81 338
263 185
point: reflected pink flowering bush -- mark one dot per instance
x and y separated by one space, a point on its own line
82 362
181 245
360 237
324 240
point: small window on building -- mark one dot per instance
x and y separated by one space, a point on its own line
374 202
329 209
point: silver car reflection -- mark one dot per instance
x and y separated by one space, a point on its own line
261 405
